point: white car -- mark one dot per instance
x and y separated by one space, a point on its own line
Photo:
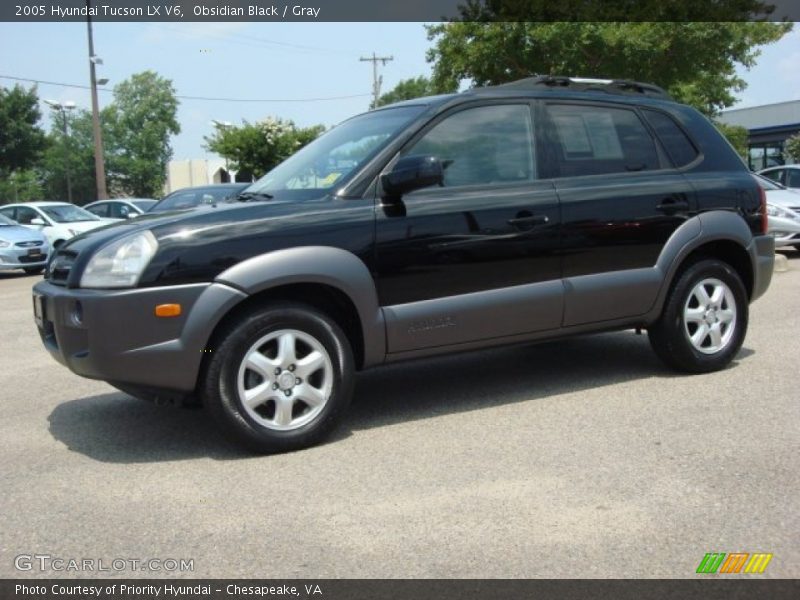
120 208
58 221
786 175
783 213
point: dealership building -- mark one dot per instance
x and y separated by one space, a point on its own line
768 127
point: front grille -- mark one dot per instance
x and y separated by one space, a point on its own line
29 244
59 268
33 259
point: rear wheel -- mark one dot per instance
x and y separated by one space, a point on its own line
280 378
704 320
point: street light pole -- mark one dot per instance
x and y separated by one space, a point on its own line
63 107
99 160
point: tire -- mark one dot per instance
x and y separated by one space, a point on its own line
296 366
707 297
33 270
57 244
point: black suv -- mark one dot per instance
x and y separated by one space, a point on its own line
535 210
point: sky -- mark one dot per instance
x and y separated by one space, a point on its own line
290 62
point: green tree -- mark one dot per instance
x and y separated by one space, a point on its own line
407 89
255 148
20 185
792 147
140 121
694 61
21 139
74 152
736 135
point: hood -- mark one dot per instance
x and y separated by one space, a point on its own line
84 226
784 198
18 233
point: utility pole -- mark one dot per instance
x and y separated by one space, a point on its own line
99 160
376 80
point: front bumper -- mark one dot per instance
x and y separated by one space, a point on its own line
785 231
762 255
115 336
19 258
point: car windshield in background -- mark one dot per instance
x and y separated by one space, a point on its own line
768 184
192 198
5 221
143 204
330 159
68 213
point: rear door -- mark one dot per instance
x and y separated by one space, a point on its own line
621 200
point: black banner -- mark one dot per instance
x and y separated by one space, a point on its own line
418 589
404 10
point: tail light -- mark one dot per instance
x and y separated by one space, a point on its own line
763 209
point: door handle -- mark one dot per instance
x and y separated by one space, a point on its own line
670 206
529 221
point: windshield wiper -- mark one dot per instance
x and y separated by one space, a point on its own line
245 196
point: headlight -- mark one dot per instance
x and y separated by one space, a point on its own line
4 244
778 211
121 263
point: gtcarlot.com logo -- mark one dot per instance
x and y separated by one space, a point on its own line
735 562
48 562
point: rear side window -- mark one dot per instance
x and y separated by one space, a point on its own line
597 140
679 147
101 210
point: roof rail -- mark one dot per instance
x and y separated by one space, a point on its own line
582 84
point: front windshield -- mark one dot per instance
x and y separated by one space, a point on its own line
6 221
68 213
332 157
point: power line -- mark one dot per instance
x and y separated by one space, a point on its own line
182 97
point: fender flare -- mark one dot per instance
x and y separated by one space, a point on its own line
325 265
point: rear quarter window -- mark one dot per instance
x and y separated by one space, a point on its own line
677 144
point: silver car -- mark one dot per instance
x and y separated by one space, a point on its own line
22 248
783 213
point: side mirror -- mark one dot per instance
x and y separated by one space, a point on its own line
412 173
37 221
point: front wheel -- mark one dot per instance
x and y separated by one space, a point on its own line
704 320
280 378
33 270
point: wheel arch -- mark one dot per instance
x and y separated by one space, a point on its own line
329 279
715 234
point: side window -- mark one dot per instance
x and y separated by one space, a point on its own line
25 215
680 149
595 140
101 210
11 213
776 175
118 211
483 145
793 178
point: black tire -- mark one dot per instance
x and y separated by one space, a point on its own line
33 270
220 391
669 336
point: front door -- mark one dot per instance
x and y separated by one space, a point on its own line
476 257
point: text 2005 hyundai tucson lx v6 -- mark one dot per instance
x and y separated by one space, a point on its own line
529 211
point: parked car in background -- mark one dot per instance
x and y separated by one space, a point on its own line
195 197
58 221
21 248
787 175
120 208
783 213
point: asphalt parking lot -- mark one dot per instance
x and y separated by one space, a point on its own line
579 458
